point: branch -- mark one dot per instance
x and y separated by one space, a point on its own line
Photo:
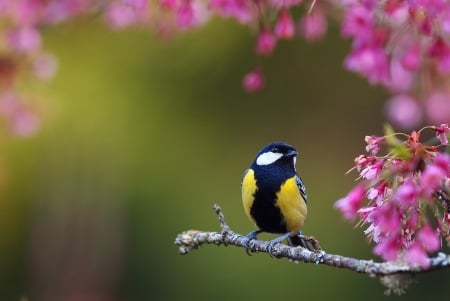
390 273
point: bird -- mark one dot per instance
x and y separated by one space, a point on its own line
274 196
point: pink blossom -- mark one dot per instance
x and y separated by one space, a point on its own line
407 194
370 61
313 26
120 15
22 120
442 161
401 79
430 180
365 212
266 42
372 171
284 27
403 111
411 59
441 133
358 22
410 227
58 11
397 184
373 144
25 123
362 161
350 204
185 14
416 256
388 248
378 192
168 4
437 107
440 50
429 239
387 218
25 39
253 81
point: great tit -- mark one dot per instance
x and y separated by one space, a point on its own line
274 196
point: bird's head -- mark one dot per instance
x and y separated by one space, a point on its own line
276 153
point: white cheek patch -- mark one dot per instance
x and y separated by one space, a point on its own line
294 160
268 158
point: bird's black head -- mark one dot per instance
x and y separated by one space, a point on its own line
276 153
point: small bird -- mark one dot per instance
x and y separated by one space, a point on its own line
274 196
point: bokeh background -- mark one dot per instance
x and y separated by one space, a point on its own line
141 136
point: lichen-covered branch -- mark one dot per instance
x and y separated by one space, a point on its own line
193 239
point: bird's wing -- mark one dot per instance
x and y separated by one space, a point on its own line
301 187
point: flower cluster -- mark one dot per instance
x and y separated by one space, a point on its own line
402 46
398 44
22 55
272 19
408 195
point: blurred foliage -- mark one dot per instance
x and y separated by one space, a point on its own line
143 135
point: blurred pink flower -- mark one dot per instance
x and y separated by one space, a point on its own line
407 194
387 218
401 79
437 107
120 15
24 39
284 27
372 171
351 203
373 144
442 161
411 59
25 123
185 14
358 22
378 192
403 111
253 81
431 178
313 26
168 4
266 42
440 50
429 239
441 133
388 248
21 120
370 61
417 256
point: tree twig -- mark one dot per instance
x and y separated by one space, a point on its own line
193 239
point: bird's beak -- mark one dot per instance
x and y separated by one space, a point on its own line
292 153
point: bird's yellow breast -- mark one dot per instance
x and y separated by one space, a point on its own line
292 205
248 190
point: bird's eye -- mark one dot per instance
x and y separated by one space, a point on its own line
275 150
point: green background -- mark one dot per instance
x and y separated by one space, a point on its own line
141 136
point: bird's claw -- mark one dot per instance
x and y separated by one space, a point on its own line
249 237
271 245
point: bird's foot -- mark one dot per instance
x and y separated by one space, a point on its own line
273 242
251 236
307 242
